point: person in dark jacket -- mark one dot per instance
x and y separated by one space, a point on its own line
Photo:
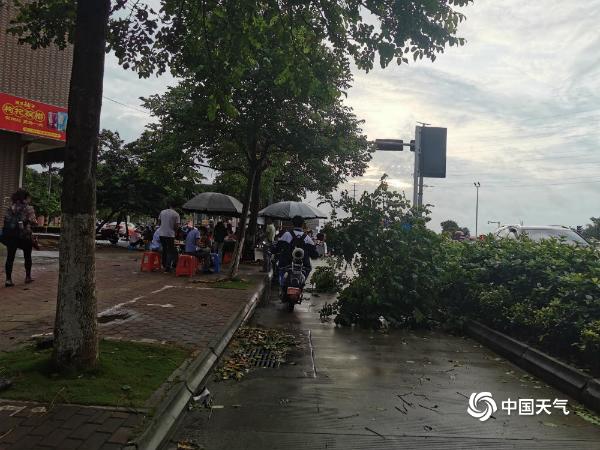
285 242
219 234
17 233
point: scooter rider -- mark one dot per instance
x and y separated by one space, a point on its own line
284 247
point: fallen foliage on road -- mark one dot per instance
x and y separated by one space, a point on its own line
246 344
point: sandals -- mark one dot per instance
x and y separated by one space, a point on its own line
9 283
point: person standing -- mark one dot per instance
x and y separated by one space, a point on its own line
270 232
219 237
17 234
268 245
169 221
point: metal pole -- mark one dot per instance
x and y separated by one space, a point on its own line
49 177
477 185
418 180
420 190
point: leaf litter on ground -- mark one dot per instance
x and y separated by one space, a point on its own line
239 361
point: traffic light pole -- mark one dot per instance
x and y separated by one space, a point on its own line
434 140
477 185
418 178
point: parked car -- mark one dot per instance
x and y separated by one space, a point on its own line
109 232
113 225
537 233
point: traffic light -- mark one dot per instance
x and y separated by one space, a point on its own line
390 144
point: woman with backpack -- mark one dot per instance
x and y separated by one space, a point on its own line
16 233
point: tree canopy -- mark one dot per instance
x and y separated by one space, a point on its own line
225 36
142 176
45 190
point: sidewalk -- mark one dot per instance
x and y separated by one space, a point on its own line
149 307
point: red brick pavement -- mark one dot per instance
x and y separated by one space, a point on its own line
157 307
30 426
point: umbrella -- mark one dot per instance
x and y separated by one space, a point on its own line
287 210
214 203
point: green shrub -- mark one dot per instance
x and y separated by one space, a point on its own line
546 293
395 258
324 279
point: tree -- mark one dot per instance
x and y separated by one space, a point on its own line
75 328
396 259
592 230
227 34
305 129
449 226
141 177
45 190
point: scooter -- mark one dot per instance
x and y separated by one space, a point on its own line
293 280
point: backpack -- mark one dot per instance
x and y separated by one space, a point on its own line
297 242
11 228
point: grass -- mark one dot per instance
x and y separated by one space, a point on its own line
127 375
232 284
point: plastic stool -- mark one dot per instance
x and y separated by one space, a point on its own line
186 265
227 257
150 262
216 262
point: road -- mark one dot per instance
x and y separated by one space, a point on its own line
347 388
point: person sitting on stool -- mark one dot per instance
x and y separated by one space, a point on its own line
196 245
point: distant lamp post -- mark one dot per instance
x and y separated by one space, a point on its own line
477 186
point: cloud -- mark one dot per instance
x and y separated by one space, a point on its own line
121 108
520 102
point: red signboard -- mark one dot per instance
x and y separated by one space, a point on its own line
34 118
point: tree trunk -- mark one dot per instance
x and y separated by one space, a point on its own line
254 207
240 244
75 328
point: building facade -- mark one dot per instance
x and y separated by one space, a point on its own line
34 94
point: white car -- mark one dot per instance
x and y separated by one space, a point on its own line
537 233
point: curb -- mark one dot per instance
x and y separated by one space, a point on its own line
564 377
192 375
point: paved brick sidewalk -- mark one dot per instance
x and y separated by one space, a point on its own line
133 306
30 426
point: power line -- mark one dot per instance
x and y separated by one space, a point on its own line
126 105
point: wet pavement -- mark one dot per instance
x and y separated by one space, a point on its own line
356 389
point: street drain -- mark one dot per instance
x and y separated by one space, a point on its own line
261 357
111 317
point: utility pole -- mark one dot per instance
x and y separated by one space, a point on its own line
477 186
418 176
354 185
49 177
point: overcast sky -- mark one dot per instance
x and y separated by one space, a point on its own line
521 102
